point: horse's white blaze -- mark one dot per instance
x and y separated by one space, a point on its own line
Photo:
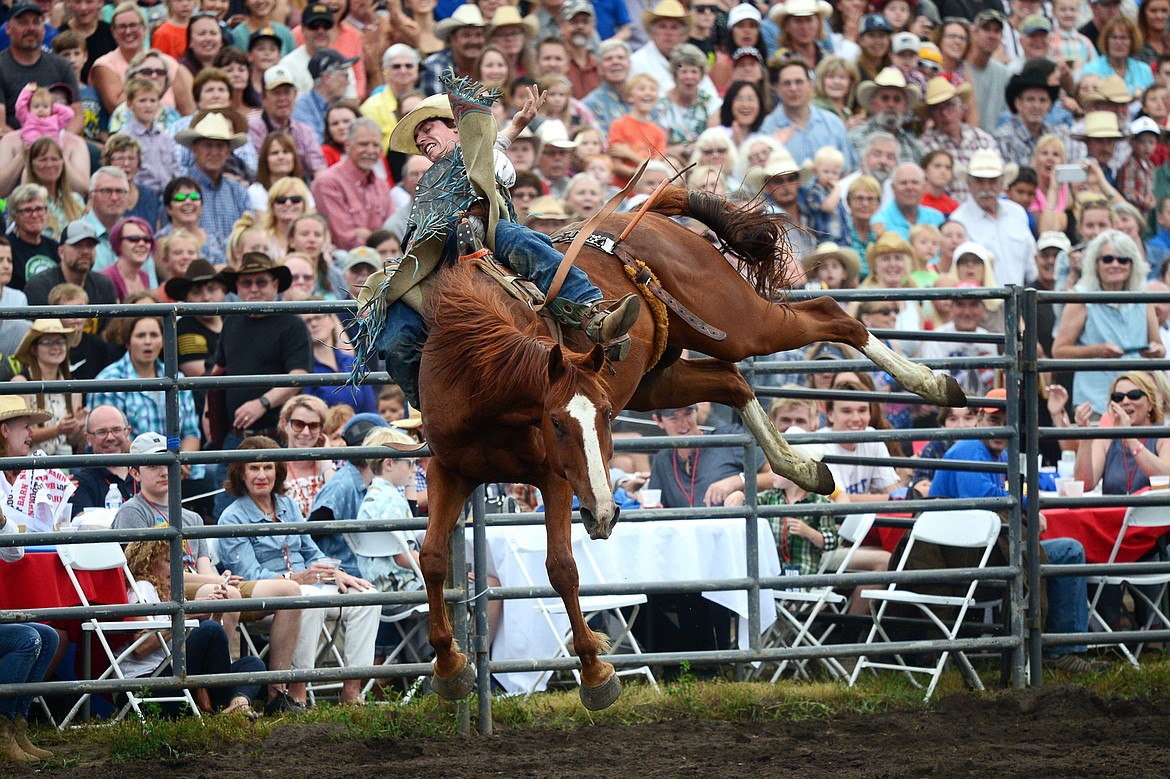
584 412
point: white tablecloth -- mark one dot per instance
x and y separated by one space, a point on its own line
662 551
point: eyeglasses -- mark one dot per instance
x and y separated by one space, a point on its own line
785 178
300 426
1133 394
523 195
51 342
882 311
182 197
137 238
259 282
1109 259
32 210
402 66
151 72
282 199
128 26
706 9
111 191
863 198
303 277
716 150
106 432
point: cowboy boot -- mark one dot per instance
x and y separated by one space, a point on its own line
8 747
20 733
605 322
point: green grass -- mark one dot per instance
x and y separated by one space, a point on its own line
428 717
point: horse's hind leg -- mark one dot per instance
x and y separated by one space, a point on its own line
454 676
796 325
690 381
599 684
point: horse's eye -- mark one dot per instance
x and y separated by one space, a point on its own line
556 425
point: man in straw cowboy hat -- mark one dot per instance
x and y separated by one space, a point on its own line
946 108
212 136
1100 135
667 24
888 100
458 134
1001 225
800 23
464 32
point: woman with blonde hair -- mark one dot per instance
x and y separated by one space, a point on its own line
754 153
714 149
46 166
559 104
836 79
288 200
1052 197
1123 466
302 426
863 198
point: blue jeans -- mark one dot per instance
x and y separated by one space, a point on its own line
25 653
1068 597
528 253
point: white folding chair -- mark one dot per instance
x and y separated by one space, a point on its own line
408 623
966 529
106 557
1135 516
798 610
607 607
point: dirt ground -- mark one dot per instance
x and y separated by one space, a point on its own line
1056 731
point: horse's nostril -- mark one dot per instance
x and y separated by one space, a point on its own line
587 517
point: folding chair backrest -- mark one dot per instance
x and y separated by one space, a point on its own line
92 557
376 544
1148 516
957 528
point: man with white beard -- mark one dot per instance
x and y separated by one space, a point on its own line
888 100
999 224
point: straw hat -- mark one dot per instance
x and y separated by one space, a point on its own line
411 422
820 8
257 262
987 164
1100 124
891 78
666 9
548 207
509 16
1111 89
466 15
939 91
44 327
889 243
847 256
14 407
214 125
552 132
780 163
433 107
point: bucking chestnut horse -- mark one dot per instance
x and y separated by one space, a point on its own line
503 402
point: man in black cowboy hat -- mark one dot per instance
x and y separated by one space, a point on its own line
1030 96
259 344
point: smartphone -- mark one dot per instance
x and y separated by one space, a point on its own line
1070 174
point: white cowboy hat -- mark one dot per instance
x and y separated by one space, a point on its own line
552 132
987 164
800 8
433 107
213 125
466 15
890 78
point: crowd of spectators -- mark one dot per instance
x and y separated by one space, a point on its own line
197 153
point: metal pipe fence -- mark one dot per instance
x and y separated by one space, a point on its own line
1019 364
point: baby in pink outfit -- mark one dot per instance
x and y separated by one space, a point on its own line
39 115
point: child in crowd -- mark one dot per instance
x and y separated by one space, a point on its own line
1022 191
589 143
1135 179
70 45
1068 45
160 158
926 241
600 166
939 167
559 103
40 115
633 137
1156 105
391 403
170 37
821 198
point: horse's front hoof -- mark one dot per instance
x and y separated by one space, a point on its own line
955 397
818 479
603 695
458 686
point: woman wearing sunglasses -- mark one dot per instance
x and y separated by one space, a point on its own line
183 202
288 200
1107 331
302 426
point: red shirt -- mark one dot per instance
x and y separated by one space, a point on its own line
941 202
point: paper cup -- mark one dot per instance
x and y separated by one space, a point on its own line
1159 482
650 498
1060 486
1074 488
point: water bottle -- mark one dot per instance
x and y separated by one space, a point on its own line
1064 468
113 497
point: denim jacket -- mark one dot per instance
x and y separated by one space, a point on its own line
265 557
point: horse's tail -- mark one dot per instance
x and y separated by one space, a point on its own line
755 238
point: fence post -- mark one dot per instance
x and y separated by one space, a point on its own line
174 493
1031 551
482 643
752 541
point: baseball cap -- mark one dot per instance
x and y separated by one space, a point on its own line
148 443
1000 394
875 23
745 52
267 32
77 231
989 15
277 75
744 12
327 61
1053 239
573 7
1144 124
1035 23
24 7
362 255
316 12
359 426
905 41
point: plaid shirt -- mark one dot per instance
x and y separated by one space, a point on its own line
683 124
829 225
971 140
1072 46
794 549
1018 145
606 105
1135 181
222 205
433 67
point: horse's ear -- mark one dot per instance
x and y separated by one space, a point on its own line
597 358
556 363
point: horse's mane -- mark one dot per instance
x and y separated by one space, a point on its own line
750 234
495 351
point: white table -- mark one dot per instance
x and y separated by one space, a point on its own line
660 551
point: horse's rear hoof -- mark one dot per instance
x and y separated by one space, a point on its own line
820 481
602 695
458 686
955 397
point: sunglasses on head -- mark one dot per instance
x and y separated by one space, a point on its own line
1133 394
320 25
194 197
1109 259
282 199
